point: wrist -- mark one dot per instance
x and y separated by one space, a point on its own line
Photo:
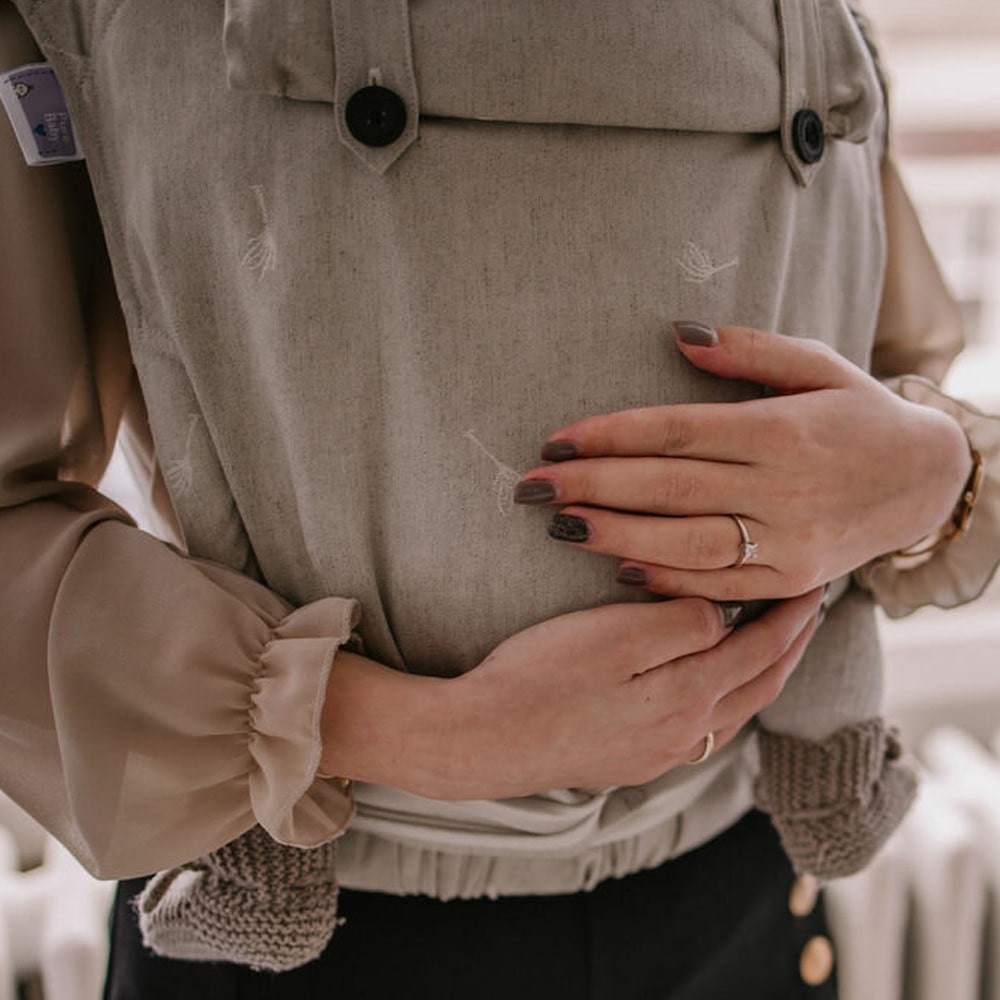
953 471
382 725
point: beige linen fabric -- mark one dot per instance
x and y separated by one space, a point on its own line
347 357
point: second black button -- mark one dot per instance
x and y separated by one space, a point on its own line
376 116
808 136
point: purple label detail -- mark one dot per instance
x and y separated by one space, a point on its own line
44 108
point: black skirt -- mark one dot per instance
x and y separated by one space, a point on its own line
710 925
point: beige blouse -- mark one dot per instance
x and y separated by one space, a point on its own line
348 352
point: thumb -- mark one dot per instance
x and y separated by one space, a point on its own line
787 364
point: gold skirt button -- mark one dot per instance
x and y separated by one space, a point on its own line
804 896
816 961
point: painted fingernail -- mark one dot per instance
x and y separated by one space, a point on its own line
824 606
633 576
696 334
566 528
559 451
534 491
731 612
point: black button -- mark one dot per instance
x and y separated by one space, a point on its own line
376 116
808 136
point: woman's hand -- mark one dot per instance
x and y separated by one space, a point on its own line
826 474
613 695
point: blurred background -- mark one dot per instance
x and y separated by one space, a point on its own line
944 66
923 922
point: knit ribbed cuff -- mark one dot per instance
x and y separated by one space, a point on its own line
834 803
253 902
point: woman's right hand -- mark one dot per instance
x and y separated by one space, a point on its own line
614 695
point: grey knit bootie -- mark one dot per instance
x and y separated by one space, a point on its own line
253 901
834 802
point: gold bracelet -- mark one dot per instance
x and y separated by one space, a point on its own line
344 785
961 517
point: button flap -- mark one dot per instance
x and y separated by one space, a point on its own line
372 41
690 65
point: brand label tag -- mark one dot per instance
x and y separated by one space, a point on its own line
34 103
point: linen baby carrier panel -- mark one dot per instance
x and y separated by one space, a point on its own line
398 334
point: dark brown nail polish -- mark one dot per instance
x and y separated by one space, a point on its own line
535 491
747 611
566 528
559 451
824 606
696 334
633 576
731 612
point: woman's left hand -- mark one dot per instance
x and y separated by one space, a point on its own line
830 471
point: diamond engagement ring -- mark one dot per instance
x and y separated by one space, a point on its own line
748 548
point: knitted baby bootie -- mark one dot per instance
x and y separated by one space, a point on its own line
834 802
253 901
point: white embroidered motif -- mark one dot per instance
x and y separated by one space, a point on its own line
504 481
179 472
262 251
697 264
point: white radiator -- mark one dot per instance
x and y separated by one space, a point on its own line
921 922
53 916
916 925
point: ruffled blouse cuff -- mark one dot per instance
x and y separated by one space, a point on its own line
288 798
958 572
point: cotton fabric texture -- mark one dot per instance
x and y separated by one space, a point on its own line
333 361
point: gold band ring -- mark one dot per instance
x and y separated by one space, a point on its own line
706 751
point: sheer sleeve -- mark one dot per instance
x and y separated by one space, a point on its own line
919 335
154 706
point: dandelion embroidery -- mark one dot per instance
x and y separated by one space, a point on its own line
504 481
698 266
179 472
262 251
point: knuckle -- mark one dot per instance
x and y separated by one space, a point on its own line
783 434
705 622
804 579
674 489
704 547
700 710
674 436
772 684
575 485
820 347
756 342
696 699
730 587
808 572
660 581
775 639
812 537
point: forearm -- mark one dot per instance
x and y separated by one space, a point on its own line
613 695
